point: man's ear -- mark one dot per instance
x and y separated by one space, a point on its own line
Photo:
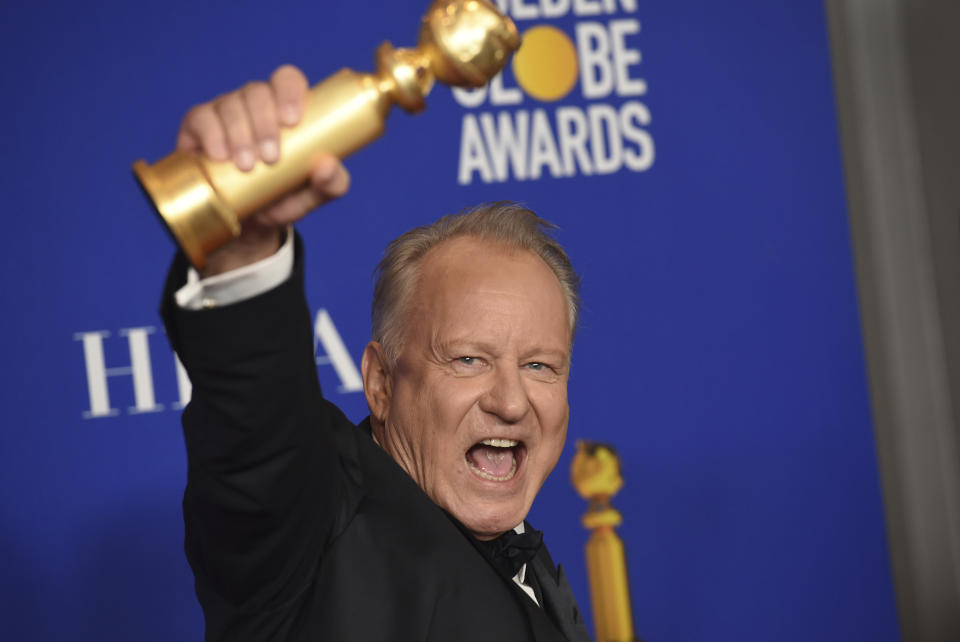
377 380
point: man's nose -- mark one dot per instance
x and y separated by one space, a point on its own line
507 396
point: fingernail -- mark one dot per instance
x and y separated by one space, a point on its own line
244 159
269 151
289 114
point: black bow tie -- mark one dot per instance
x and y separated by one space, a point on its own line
512 550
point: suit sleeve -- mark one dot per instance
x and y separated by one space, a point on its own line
263 476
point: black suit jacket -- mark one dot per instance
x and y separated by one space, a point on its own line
298 526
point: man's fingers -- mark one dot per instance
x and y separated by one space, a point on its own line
187 141
203 130
262 111
236 124
290 89
329 178
290 208
245 124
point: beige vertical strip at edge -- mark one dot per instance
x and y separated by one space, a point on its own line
915 419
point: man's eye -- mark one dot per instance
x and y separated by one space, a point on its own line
467 361
538 366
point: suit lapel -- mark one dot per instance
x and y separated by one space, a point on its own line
558 600
543 626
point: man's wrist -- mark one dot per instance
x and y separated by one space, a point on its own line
256 243
239 284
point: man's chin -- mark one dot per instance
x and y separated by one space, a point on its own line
486 526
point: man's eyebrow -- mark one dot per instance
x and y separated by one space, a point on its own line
462 345
466 347
550 352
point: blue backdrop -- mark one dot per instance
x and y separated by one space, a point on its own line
694 170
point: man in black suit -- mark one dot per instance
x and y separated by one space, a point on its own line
301 526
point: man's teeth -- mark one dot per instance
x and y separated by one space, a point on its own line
500 443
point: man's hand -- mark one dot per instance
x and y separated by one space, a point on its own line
244 125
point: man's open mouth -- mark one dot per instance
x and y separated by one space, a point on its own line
496 459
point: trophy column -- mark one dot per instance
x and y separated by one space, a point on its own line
595 473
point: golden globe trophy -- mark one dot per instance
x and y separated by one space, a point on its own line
595 473
203 202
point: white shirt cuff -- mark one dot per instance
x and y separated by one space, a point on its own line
237 285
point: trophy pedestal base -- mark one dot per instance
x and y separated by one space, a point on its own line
194 214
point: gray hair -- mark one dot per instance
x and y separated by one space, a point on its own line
397 274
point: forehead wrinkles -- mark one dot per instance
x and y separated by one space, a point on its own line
470 282
462 320
523 314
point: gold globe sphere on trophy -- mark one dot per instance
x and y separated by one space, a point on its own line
463 43
595 473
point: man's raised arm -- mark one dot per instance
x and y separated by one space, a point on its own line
263 476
